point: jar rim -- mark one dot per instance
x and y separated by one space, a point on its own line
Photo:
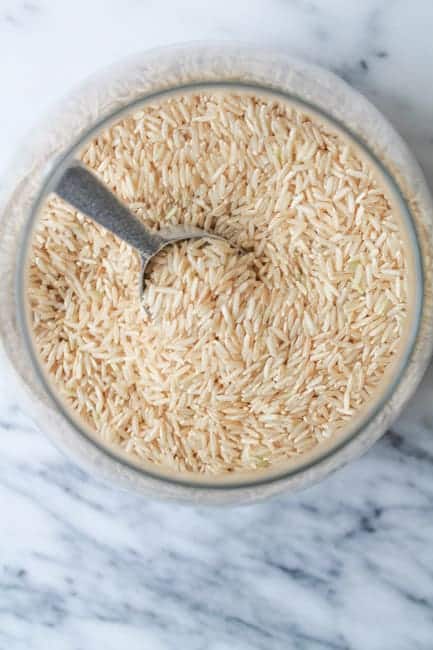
183 479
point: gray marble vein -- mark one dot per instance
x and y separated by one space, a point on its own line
346 565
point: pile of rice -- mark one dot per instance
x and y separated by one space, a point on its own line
233 361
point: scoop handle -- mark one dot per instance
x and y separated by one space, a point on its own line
85 192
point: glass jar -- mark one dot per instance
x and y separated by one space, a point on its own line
124 87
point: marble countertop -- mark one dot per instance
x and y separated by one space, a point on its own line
345 565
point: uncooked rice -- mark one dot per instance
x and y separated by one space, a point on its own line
234 360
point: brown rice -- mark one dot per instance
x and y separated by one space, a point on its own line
234 361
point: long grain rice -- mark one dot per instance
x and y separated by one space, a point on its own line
233 361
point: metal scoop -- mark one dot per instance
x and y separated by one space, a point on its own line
85 192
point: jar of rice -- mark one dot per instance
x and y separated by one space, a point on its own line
249 366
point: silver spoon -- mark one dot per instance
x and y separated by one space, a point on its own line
85 192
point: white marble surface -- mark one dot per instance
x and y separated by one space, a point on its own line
346 565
